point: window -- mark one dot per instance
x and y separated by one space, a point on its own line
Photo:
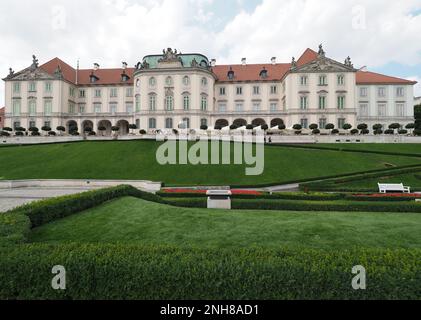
137 103
203 122
16 125
48 107
341 123
152 102
129 107
168 81
16 107
97 107
16 87
363 92
322 80
97 93
322 102
204 82
138 83
113 107
382 111
204 103
341 102
363 109
186 81
152 123
381 92
48 87
239 91
72 108
256 90
341 80
304 123
32 87
169 123
113 93
222 91
71 91
273 89
400 110
186 123
47 124
129 92
273 106
32 124
322 123
303 103
239 107
82 108
137 123
186 102
152 82
169 103
304 80
256 106
222 107
81 93
400 92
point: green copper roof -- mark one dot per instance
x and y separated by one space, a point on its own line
185 58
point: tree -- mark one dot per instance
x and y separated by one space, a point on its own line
403 131
142 132
204 127
316 131
92 133
377 127
265 127
217 127
347 126
314 126
233 127
61 129
362 126
330 126
365 131
19 133
46 129
20 129
282 127
377 131
410 126
417 126
52 133
249 127
115 129
87 130
389 131
102 129
133 127
4 134
175 131
335 131
7 129
297 127
354 131
394 126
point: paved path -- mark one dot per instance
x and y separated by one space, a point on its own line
12 198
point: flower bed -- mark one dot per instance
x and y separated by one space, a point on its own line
203 192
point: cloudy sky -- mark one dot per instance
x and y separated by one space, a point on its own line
384 35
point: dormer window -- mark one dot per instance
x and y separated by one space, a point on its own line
231 74
93 78
125 77
264 73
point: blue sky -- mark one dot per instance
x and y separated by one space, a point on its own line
383 35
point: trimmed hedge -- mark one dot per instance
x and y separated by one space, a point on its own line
116 272
14 228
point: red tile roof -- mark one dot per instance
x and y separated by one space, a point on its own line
366 77
106 76
308 56
251 72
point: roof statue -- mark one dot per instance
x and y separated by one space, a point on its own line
293 63
321 52
170 55
348 62
34 62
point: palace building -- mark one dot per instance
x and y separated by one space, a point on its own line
188 91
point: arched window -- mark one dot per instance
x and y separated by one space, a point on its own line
169 103
186 81
168 81
169 123
186 102
152 82
152 123
204 82
152 102
204 103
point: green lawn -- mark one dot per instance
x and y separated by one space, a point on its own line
380 147
137 160
134 221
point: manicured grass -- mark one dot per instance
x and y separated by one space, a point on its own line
136 160
134 221
404 148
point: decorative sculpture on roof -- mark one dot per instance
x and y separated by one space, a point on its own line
169 55
322 53
194 63
348 62
34 62
293 63
58 73
11 72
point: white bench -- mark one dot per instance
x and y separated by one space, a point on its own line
219 199
385 188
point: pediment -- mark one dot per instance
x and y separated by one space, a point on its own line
323 64
29 74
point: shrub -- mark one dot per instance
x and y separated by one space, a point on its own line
335 131
354 131
365 131
395 126
4 134
417 132
377 127
33 129
220 128
330 126
35 134
75 133
52 133
389 131
92 133
7 129
61 129
297 127
133 127
142 132
88 129
19 134
20 129
233 127
313 126
347 126
316 131
403 132
265 127
204 127
410 126
282 127
298 132
46 129
362 126
175 131
115 128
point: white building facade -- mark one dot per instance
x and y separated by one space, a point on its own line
187 91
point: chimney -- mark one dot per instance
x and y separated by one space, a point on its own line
213 62
96 66
124 65
244 61
273 60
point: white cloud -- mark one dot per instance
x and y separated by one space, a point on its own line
111 31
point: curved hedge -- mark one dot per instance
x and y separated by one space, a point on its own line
110 272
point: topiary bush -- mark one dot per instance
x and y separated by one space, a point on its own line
330 126
52 133
335 131
316 131
142 132
354 131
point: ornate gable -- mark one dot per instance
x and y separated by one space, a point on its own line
34 72
323 64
